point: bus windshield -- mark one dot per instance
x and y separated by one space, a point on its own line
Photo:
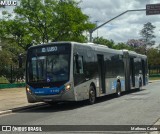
51 68
48 67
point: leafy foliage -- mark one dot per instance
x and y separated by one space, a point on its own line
147 34
39 21
53 20
5 63
135 43
122 46
153 56
102 41
111 44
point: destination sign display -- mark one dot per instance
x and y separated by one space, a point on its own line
152 9
55 49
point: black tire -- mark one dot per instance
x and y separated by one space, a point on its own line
92 95
118 89
52 103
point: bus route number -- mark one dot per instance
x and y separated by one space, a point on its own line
50 49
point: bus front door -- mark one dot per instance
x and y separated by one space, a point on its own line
101 72
132 72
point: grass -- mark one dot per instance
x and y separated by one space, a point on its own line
3 80
154 78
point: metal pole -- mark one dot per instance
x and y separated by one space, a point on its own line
96 26
91 31
90 35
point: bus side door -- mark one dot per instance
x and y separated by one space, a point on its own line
79 77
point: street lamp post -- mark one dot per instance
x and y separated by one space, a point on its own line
97 26
92 30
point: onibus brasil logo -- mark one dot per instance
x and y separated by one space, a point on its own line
8 3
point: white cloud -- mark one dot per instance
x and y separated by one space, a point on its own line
125 27
8 8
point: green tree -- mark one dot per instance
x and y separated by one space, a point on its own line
9 59
14 30
153 56
3 19
5 63
73 22
39 21
147 34
52 20
102 41
40 18
123 46
9 44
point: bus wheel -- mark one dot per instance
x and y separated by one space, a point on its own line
52 103
118 89
92 95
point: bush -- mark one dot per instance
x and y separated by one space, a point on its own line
3 80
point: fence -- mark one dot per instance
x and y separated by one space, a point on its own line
2 86
12 78
11 75
154 70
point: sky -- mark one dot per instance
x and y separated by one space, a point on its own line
127 26
123 28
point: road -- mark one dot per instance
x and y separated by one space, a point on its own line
135 108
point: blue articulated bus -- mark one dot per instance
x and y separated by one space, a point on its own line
71 71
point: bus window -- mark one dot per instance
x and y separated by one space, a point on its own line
78 66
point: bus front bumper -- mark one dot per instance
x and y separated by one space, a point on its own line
65 96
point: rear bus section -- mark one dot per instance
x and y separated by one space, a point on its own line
48 73
136 70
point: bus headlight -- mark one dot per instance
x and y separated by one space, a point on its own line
28 90
68 87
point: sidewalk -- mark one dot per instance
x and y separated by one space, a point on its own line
154 81
11 98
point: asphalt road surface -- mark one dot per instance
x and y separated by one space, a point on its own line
134 108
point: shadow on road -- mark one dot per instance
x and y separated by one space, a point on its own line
65 106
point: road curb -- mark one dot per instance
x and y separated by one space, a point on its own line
5 112
152 81
21 108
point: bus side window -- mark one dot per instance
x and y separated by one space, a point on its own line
78 64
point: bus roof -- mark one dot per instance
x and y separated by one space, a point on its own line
93 46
